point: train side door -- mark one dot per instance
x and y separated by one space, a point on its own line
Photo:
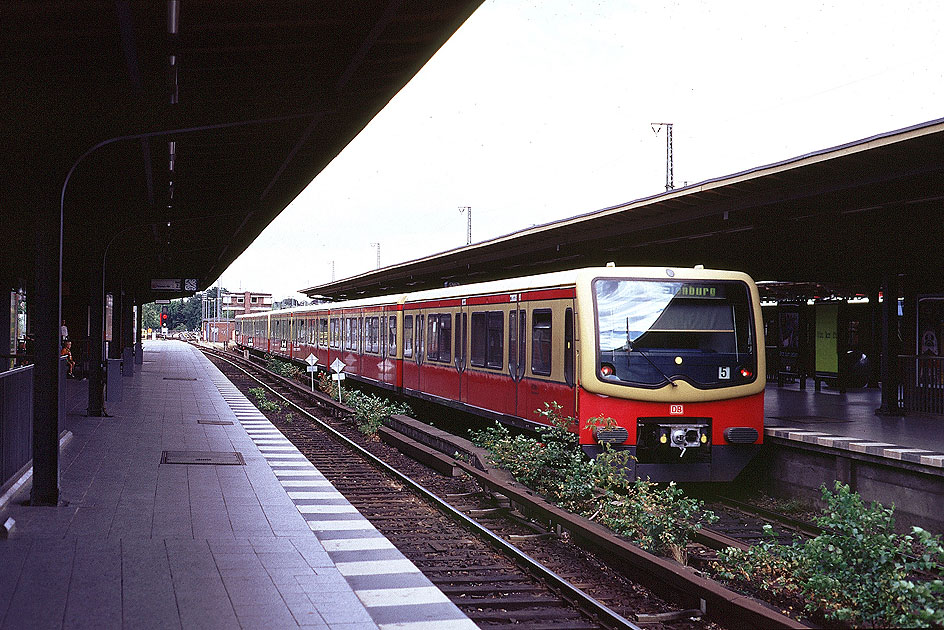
517 346
550 344
412 324
460 348
419 346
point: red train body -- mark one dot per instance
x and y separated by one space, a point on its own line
670 355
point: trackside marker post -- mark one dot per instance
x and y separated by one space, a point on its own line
312 362
338 367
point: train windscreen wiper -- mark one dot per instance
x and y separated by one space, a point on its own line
629 347
653 364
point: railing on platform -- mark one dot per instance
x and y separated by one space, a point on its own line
16 421
922 384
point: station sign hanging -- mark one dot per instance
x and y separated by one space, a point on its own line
174 284
166 284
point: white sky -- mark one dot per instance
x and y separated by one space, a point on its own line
540 110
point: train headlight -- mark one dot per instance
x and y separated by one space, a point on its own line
746 373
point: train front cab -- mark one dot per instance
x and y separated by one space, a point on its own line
674 361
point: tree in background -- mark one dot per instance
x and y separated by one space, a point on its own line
149 315
182 314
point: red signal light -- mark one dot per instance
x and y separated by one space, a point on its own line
746 373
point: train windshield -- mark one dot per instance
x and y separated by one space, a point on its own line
651 333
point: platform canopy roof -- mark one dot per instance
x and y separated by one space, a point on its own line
841 218
184 128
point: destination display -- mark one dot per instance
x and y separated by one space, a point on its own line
166 284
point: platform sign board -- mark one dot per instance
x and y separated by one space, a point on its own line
166 284
312 362
190 284
162 301
827 336
338 367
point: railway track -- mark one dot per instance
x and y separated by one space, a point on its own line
495 589
496 592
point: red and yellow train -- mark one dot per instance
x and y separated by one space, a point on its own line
673 355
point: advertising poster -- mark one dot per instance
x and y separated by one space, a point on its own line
827 354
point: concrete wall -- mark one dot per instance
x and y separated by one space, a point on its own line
794 470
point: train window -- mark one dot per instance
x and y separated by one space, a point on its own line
461 324
383 335
477 342
407 335
465 338
335 332
439 337
569 347
445 338
496 339
541 342
419 335
432 340
392 337
487 339
513 341
323 333
372 335
522 341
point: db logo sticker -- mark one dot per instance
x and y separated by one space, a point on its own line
676 410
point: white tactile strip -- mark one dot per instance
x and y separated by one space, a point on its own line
394 592
859 445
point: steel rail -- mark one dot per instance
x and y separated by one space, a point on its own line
568 591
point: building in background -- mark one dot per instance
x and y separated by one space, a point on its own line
219 314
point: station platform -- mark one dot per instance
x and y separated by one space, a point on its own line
248 534
849 422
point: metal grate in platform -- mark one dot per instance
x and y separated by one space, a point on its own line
179 378
210 421
210 458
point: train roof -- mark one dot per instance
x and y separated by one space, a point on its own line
541 281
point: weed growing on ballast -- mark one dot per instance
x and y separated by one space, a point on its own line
859 572
263 403
282 367
370 410
657 517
